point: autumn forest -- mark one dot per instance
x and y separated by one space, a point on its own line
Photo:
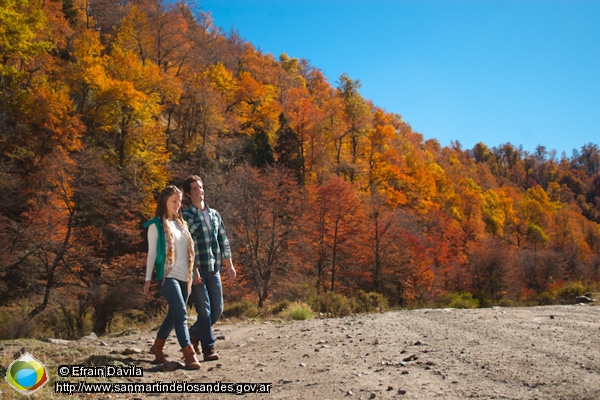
103 103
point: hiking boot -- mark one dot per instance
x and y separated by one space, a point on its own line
157 349
210 354
191 362
195 343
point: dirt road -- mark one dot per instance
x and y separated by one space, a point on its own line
550 352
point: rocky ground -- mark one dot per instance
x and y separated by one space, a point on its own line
550 352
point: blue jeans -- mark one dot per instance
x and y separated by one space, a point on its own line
208 300
176 293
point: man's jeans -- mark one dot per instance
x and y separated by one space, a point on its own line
176 293
208 300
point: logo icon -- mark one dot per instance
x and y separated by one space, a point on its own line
27 374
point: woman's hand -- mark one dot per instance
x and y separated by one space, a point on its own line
147 288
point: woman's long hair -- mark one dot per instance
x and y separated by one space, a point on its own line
161 204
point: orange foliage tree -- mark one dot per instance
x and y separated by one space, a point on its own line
333 229
264 213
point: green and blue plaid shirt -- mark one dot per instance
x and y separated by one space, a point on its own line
210 241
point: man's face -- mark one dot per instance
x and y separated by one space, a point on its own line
196 192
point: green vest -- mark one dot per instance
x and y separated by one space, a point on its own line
161 247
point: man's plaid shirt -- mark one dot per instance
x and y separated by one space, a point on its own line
210 242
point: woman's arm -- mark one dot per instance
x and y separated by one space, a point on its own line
152 241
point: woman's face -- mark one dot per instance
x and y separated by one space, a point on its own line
173 205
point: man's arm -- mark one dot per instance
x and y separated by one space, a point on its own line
225 249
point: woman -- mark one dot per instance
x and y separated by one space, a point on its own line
171 251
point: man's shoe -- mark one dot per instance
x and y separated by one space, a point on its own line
195 343
210 354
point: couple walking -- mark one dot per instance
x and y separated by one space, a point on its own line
188 250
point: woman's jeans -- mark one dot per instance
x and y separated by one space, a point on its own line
176 293
208 300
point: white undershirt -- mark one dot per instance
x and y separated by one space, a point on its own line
180 268
206 216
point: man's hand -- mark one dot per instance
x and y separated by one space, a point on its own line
230 269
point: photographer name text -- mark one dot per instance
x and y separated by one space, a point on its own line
83 371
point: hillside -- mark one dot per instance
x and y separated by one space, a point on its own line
326 197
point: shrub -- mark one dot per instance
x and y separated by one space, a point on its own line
461 300
15 326
370 302
67 321
332 304
483 300
506 302
569 291
241 309
280 306
545 299
299 312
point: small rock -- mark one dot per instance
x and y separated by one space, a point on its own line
91 336
19 353
172 366
302 365
58 341
401 391
585 299
132 350
412 357
167 367
260 364
221 337
372 396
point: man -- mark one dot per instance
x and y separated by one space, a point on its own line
213 253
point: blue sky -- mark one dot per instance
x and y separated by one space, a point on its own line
493 71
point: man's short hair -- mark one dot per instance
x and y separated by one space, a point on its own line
187 184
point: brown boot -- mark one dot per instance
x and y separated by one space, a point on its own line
210 354
191 362
157 350
195 343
